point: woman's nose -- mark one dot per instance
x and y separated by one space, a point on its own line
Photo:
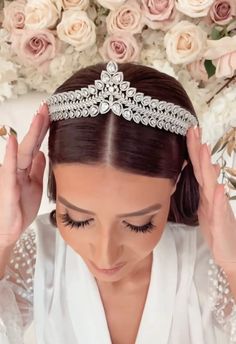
106 251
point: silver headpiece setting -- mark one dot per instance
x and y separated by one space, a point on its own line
111 92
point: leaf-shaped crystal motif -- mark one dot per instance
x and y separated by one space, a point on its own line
154 103
138 96
144 120
84 92
131 91
152 122
78 94
175 109
105 77
92 89
99 84
146 100
112 67
162 105
117 78
93 111
136 118
117 108
104 107
124 85
85 112
127 114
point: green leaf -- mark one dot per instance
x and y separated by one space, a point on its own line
210 68
216 34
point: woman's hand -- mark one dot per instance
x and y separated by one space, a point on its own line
21 180
216 217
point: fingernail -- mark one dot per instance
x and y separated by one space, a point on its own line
8 140
196 131
42 104
208 147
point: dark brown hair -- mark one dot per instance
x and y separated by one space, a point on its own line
112 140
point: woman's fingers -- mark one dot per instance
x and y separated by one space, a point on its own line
38 167
29 142
194 145
9 162
45 127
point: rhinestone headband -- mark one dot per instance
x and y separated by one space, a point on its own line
111 92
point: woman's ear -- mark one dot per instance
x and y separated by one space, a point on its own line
174 187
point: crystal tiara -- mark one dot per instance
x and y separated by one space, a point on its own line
111 92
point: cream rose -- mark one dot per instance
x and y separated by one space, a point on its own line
222 52
41 14
222 11
81 5
35 47
111 4
194 8
185 42
77 29
127 17
14 15
120 48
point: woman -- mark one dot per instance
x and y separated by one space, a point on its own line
124 256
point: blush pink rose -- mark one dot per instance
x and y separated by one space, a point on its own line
120 48
127 17
160 14
222 52
156 10
35 47
14 15
197 70
222 11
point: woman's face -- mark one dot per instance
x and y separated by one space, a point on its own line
110 235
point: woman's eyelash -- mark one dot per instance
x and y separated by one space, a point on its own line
65 218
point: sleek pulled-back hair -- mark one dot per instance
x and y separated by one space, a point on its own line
130 147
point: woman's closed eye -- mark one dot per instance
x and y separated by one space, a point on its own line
68 221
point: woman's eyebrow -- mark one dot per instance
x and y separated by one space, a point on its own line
147 210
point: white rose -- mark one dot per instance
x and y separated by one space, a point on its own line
8 71
111 4
41 14
194 8
77 29
185 42
79 4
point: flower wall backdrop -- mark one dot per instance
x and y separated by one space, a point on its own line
43 42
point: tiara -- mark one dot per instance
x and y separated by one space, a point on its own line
111 92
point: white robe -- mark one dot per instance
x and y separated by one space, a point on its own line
67 306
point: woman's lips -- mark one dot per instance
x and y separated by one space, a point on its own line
109 271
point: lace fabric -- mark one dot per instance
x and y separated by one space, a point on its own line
16 290
16 293
222 301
